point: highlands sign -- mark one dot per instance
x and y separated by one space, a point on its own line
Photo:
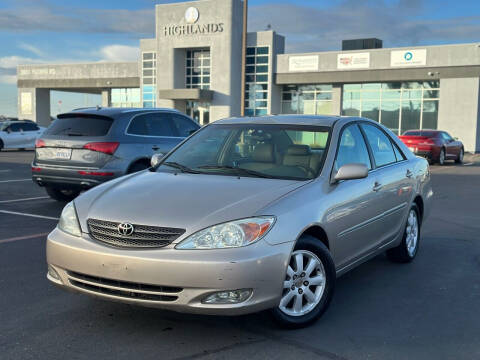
191 28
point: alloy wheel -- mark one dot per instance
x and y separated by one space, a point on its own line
441 159
412 233
304 284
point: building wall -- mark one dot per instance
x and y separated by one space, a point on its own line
459 110
225 52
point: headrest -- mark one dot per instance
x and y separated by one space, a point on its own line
263 153
298 150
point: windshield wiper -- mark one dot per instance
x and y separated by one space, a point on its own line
181 167
239 171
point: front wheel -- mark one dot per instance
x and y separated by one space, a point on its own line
60 194
459 159
408 248
308 286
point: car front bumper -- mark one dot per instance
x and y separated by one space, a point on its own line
167 278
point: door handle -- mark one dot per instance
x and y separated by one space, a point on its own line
377 186
155 148
409 174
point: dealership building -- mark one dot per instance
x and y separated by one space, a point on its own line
194 64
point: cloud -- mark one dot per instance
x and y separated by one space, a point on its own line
400 23
119 53
30 48
41 16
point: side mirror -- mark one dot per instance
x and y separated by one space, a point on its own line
156 159
351 172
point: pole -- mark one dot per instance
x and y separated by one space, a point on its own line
244 56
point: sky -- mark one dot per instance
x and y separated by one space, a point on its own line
54 31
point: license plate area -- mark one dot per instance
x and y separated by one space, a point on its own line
54 154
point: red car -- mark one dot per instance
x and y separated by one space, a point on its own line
434 145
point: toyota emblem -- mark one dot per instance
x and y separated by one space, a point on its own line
125 229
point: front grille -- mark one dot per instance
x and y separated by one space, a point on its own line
143 236
123 289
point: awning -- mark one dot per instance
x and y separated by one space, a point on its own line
186 94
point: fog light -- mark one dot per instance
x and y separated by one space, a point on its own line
53 273
228 297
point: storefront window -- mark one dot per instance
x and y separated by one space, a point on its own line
149 69
399 106
307 99
256 80
197 68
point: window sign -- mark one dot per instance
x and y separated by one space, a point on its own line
353 61
408 57
303 63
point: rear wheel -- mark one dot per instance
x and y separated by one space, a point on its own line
459 159
61 194
1 145
408 248
441 157
308 286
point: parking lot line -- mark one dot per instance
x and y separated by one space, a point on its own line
18 238
4 170
468 164
25 199
6 181
29 215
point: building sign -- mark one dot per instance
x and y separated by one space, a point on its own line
303 63
26 103
353 61
408 57
192 28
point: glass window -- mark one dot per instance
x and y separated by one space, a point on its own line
430 114
79 125
411 115
380 145
263 50
15 127
184 126
30 127
198 69
390 115
371 109
153 124
398 154
352 148
446 136
262 69
250 51
262 59
271 151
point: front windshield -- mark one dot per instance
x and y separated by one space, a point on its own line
270 151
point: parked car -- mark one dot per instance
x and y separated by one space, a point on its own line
435 145
87 147
267 219
19 134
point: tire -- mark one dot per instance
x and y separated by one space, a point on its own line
459 159
1 145
298 281
408 248
138 166
441 157
62 195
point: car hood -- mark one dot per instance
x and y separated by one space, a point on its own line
186 201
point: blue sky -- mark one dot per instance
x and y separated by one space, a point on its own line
43 31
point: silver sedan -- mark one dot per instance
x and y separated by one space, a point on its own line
245 215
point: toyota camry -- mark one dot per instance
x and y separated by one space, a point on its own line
247 214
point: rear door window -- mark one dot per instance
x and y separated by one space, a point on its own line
152 124
29 127
380 145
184 126
80 126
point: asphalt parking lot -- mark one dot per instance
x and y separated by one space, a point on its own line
425 310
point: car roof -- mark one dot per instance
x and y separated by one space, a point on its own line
316 120
113 111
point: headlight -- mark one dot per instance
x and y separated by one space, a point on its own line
69 221
229 235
